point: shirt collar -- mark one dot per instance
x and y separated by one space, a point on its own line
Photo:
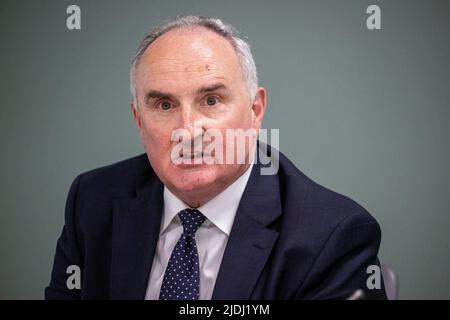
220 210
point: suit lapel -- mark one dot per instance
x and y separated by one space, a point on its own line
250 242
136 224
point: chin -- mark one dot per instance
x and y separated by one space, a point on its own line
191 178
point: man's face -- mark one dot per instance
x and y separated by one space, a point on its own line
191 79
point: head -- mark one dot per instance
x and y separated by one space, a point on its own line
194 73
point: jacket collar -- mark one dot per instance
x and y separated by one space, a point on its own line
250 241
135 229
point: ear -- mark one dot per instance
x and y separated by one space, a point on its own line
136 114
259 107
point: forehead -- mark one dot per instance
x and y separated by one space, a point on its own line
188 54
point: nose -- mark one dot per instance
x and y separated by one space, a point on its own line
187 118
191 121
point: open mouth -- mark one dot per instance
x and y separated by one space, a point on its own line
192 154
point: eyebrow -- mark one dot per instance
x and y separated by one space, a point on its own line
155 94
213 87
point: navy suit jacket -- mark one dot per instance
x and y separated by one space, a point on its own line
291 237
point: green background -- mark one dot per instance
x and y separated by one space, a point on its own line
365 113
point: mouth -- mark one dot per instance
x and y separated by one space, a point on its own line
194 159
192 154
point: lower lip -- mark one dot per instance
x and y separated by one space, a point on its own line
185 166
192 164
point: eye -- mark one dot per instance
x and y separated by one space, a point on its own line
212 101
165 105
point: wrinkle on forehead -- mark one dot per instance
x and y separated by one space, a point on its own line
186 56
176 65
166 68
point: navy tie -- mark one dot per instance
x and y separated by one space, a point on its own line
182 277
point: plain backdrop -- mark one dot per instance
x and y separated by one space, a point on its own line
365 113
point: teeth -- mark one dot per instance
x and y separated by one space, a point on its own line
196 154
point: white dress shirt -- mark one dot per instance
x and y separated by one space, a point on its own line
211 237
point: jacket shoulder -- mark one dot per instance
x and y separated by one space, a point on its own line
117 179
315 203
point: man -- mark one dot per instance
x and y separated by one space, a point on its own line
155 227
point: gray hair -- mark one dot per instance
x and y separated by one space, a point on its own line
241 47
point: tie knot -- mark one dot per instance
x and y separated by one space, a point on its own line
191 219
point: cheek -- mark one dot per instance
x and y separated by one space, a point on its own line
155 136
243 119
237 115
